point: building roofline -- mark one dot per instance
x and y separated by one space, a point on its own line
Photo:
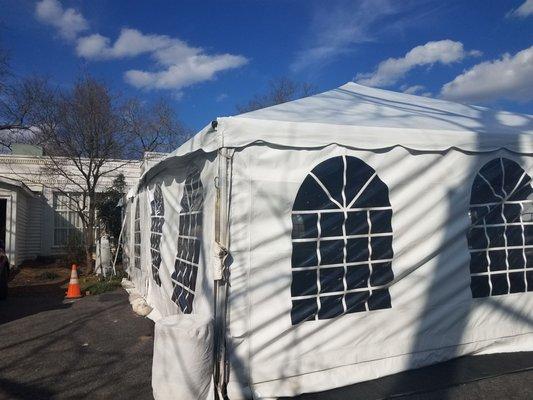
19 184
44 158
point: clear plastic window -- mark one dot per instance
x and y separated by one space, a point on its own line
157 217
137 236
189 243
341 242
500 238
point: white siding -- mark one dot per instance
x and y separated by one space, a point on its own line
47 226
34 228
22 223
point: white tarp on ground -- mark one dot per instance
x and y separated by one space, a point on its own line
369 232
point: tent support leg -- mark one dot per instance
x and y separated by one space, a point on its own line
119 243
221 273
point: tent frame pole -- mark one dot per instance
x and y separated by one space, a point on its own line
221 273
119 243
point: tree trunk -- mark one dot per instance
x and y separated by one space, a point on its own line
89 237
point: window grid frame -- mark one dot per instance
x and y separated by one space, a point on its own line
507 269
344 209
157 219
137 242
64 211
187 259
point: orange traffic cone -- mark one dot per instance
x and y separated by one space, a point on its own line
74 291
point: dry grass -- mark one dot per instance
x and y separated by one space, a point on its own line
32 276
95 285
30 279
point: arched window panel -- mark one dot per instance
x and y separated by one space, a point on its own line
500 238
189 243
137 235
341 241
157 218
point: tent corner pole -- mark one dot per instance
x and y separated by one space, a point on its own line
222 208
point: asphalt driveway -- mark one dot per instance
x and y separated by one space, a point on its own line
95 347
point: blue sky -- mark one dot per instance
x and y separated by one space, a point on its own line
208 56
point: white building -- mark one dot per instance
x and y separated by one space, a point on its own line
34 221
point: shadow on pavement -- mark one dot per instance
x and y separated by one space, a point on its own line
432 382
93 347
24 301
26 391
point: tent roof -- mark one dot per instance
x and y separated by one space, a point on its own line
361 117
357 105
368 118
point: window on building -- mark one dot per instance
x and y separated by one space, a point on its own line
137 236
500 238
157 205
67 222
341 242
189 242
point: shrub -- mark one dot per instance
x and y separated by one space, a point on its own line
48 276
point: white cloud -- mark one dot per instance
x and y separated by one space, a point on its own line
177 64
412 89
509 77
525 10
391 70
92 46
184 72
221 97
335 29
131 43
69 22
419 90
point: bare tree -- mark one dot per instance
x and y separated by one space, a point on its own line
152 127
4 67
86 135
7 124
18 101
80 131
18 108
280 91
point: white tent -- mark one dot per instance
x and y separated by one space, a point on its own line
336 239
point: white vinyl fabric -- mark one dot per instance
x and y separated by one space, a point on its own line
183 358
433 314
370 232
158 237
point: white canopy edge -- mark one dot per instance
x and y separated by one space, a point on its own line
315 135
365 118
